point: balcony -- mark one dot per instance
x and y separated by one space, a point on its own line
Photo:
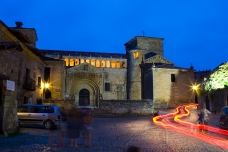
29 84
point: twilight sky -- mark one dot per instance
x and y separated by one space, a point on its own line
194 31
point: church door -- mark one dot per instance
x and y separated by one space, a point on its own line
84 97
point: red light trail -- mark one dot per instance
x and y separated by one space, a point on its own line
173 121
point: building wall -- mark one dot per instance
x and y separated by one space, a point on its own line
172 93
57 79
13 64
136 50
86 76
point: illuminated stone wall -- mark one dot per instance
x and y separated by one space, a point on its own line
141 49
86 76
172 93
57 78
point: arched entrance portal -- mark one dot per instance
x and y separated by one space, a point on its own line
84 97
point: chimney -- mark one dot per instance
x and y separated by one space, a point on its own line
19 24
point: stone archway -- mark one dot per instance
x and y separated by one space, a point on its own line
74 89
84 99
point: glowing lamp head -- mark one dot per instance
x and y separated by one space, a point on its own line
194 87
46 85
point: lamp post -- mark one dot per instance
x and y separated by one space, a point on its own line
195 89
44 86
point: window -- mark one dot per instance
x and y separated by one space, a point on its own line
113 64
123 64
87 61
82 61
66 60
172 77
107 86
107 63
39 82
103 63
136 55
76 61
117 64
93 62
71 62
97 63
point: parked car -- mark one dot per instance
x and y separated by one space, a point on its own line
34 114
223 120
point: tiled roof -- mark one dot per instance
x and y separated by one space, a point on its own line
169 66
86 54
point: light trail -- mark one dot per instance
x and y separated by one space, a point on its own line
173 121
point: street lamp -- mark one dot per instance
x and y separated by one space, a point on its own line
195 88
44 86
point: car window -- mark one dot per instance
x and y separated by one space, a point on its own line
39 109
49 109
25 109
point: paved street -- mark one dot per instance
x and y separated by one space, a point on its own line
116 134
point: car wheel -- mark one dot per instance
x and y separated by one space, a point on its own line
48 124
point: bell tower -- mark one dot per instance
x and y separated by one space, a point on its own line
136 49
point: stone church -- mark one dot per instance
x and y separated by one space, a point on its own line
142 72
134 82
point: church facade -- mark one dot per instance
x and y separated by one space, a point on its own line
142 73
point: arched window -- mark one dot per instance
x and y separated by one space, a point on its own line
113 64
103 63
67 62
136 55
71 62
97 63
87 61
82 61
117 64
93 62
123 64
107 63
76 61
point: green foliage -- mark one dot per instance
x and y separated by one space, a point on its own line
218 79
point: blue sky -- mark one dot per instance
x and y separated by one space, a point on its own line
194 31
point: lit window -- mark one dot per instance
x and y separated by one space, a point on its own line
93 62
113 64
123 64
117 64
136 55
76 61
82 61
97 63
108 64
87 60
67 63
71 62
103 63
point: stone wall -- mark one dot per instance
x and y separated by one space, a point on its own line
128 107
172 93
